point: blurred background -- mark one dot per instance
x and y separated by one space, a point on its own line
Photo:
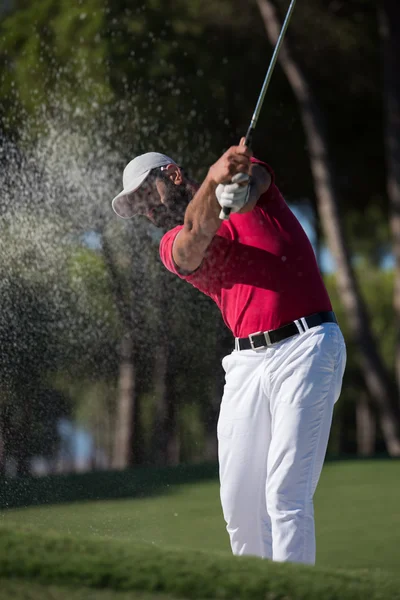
107 360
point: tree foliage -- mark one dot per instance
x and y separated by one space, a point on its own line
191 80
86 86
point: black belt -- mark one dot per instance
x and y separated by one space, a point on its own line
263 339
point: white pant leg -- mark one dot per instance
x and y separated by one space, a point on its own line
243 442
305 384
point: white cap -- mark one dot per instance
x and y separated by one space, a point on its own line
135 173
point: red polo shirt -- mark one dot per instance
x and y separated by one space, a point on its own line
260 268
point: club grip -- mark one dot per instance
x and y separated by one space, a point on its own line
225 212
238 178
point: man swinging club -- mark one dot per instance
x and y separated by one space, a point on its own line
285 372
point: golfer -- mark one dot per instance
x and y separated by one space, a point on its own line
285 371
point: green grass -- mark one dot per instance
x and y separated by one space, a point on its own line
27 590
118 566
357 517
188 517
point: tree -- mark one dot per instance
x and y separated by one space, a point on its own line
140 82
60 312
389 14
30 340
356 416
375 373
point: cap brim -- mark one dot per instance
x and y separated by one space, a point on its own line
124 204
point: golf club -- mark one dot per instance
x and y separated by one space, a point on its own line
225 212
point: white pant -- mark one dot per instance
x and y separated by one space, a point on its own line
273 430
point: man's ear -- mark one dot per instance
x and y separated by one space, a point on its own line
174 173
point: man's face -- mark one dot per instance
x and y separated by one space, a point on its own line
167 200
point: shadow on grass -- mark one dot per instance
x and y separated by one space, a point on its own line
100 485
331 459
139 482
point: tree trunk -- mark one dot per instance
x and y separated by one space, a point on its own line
110 428
124 429
2 446
374 371
211 413
158 443
23 463
365 426
165 436
139 449
318 245
126 410
2 457
173 448
23 454
389 16
212 407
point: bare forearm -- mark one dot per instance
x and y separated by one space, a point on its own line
200 225
201 217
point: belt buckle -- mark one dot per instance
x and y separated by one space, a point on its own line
266 337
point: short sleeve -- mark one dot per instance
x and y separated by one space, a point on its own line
167 241
207 278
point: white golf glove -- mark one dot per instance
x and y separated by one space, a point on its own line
233 195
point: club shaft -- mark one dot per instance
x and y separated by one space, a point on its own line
271 68
249 135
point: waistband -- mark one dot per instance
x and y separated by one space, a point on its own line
264 339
